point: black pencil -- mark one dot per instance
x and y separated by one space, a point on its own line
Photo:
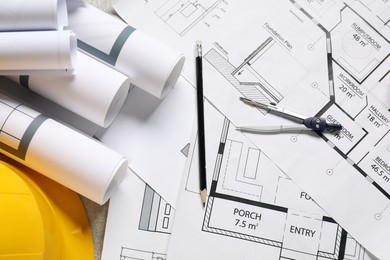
201 135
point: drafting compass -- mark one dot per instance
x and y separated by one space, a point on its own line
317 124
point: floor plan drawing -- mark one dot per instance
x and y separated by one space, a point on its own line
251 200
246 77
356 52
156 213
357 46
182 15
355 55
350 98
139 222
318 58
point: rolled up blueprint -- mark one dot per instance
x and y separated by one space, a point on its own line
94 91
17 15
37 51
59 152
151 65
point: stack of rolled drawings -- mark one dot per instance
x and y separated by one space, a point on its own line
85 61
32 38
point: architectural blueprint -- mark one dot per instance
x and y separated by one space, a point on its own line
254 211
319 58
156 138
139 222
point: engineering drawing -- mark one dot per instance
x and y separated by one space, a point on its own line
328 59
350 91
182 15
251 200
156 214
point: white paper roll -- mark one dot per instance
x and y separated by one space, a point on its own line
94 91
37 51
18 15
151 65
59 152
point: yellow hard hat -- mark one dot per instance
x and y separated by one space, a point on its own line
39 218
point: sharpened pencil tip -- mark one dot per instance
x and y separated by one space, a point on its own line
203 196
